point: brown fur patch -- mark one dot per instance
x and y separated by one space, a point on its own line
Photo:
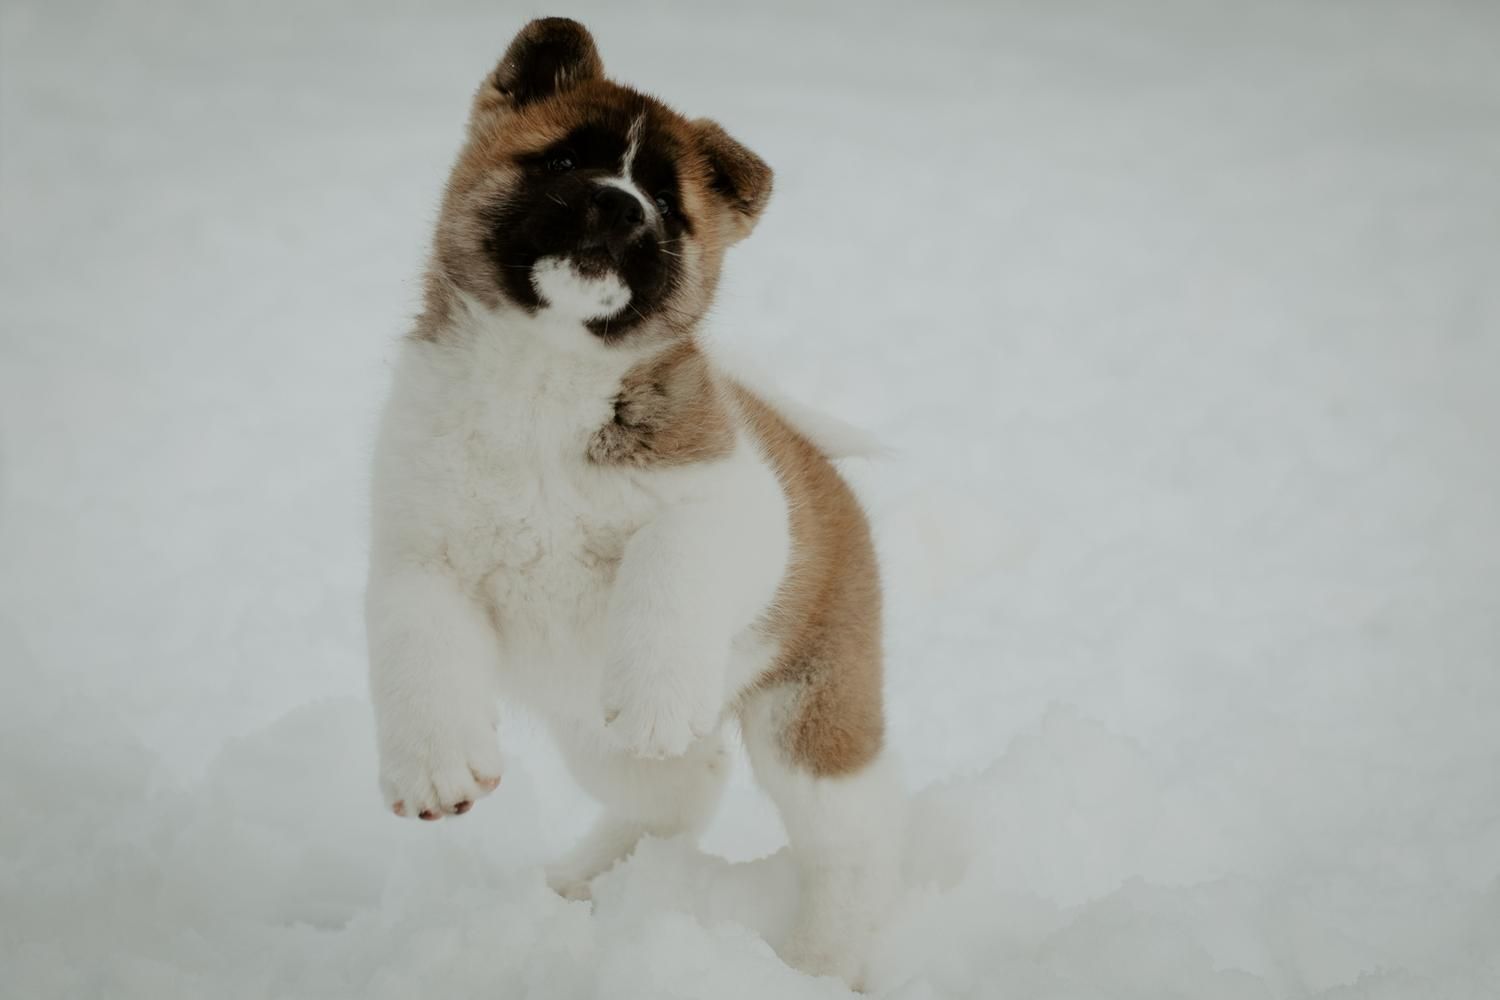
826 615
668 412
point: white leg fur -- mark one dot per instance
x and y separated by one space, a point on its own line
432 668
845 835
690 580
662 798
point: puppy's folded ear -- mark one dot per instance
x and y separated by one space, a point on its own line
548 56
737 176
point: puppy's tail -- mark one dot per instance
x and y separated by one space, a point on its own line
834 437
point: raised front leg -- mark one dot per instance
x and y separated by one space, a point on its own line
690 580
433 656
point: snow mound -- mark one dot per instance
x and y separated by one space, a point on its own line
1066 869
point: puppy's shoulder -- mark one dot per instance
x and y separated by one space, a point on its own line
670 410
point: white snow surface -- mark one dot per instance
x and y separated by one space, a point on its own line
1180 320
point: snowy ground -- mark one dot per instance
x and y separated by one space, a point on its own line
1183 320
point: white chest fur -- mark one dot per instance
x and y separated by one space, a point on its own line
482 466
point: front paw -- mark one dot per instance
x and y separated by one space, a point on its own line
434 771
659 714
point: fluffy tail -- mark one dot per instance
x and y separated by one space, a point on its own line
834 437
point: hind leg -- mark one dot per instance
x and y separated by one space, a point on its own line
660 798
843 809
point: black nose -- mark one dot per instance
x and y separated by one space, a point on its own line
618 209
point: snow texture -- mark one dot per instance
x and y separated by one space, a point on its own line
1181 322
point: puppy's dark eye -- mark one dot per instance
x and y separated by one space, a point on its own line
664 204
561 163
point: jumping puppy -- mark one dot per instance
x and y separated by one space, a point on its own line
575 511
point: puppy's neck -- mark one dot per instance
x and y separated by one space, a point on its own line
519 347
546 388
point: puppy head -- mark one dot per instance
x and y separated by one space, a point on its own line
589 201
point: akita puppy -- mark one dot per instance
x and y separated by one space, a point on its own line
575 511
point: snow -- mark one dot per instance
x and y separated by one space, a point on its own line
1181 324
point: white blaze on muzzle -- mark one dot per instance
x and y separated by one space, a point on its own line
564 288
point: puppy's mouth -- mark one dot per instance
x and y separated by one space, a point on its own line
611 276
595 258
584 283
